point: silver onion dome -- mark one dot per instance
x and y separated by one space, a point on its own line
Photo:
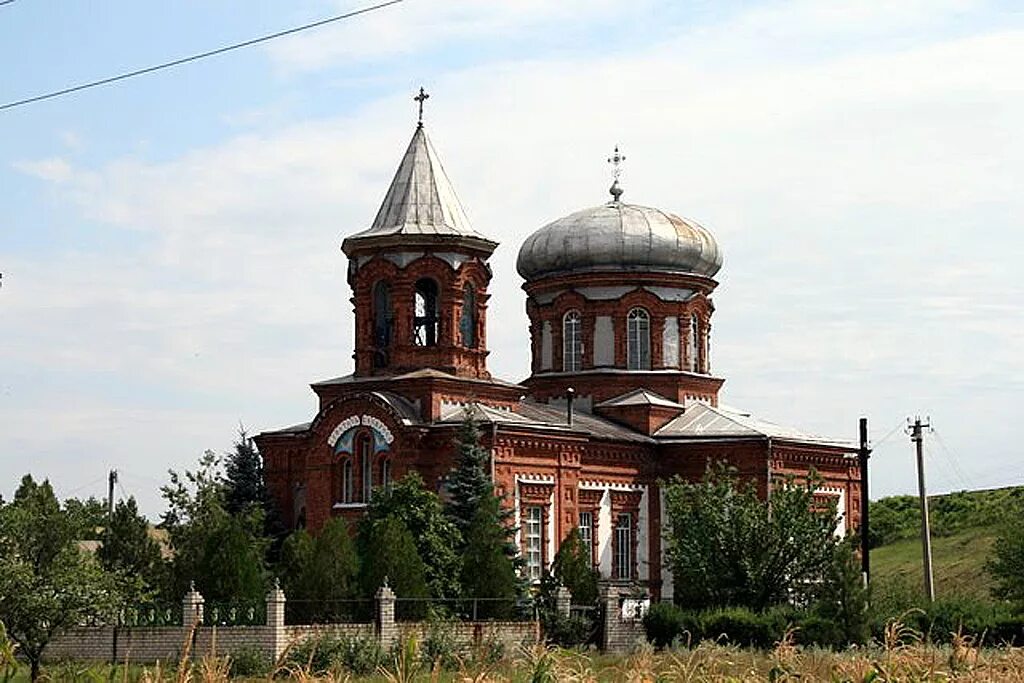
619 237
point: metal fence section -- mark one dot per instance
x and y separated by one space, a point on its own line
235 614
310 612
465 609
150 615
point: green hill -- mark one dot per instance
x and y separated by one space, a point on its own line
964 526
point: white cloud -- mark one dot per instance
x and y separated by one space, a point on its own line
414 27
55 170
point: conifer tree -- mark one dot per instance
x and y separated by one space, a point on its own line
573 568
243 476
129 549
842 598
487 571
469 481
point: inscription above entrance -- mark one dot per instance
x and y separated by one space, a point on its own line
341 437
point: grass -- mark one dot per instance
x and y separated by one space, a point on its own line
902 657
958 562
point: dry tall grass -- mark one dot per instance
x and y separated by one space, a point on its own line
903 656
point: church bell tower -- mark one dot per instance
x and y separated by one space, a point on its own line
419 275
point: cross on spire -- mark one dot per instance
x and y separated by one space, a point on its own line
420 99
616 160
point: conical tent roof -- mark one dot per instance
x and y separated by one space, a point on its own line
420 203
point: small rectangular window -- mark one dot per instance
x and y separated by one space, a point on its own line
534 542
624 546
586 529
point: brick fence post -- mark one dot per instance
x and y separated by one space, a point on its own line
563 601
192 614
611 638
192 607
276 639
387 631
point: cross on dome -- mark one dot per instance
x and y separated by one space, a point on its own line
616 160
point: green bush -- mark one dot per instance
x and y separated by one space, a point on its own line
440 646
741 626
328 653
815 629
950 615
571 631
994 622
666 624
663 623
250 661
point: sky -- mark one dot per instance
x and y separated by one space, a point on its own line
169 245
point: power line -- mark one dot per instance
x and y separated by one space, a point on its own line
195 57
886 437
953 460
5 2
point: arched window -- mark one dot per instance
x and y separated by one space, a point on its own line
364 450
698 350
691 342
385 474
425 318
382 317
467 323
638 340
572 342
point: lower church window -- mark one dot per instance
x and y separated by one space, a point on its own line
624 546
346 481
534 540
586 529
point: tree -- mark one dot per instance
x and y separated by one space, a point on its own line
841 599
469 481
243 476
320 574
1007 564
88 517
201 532
436 538
245 490
391 554
574 569
727 547
487 571
129 549
470 486
47 584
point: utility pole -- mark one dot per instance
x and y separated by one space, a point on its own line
111 480
863 453
916 430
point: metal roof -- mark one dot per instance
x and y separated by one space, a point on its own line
421 201
701 421
425 373
640 397
616 237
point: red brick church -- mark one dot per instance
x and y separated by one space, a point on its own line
620 395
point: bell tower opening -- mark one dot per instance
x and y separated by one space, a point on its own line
425 318
382 321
